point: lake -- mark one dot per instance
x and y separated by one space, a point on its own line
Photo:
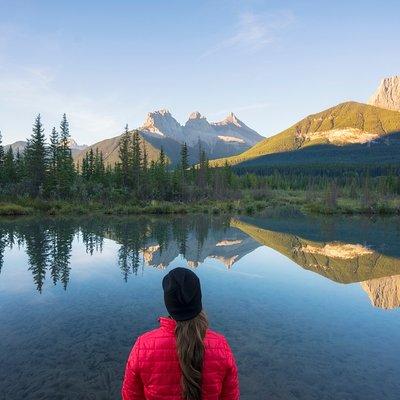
310 305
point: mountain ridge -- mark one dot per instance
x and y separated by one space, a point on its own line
20 145
346 123
160 129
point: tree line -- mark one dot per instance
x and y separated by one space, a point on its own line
45 169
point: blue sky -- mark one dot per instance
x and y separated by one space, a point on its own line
107 63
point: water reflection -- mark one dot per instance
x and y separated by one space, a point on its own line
342 250
370 258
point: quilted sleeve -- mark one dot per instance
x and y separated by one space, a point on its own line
132 387
230 385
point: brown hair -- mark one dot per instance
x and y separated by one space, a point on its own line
189 342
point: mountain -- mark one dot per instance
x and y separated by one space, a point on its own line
16 146
388 94
21 144
160 129
75 146
230 130
346 124
110 147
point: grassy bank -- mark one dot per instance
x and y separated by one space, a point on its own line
315 203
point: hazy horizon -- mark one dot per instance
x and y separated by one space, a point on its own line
106 64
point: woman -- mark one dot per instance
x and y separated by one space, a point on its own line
182 359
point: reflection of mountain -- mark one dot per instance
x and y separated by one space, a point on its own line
383 292
338 261
228 245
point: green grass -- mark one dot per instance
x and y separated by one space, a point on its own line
295 199
10 209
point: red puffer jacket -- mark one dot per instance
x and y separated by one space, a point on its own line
153 371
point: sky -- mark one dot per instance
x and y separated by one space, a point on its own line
108 63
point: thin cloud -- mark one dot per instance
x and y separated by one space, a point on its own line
253 32
249 107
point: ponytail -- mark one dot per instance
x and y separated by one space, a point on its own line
189 342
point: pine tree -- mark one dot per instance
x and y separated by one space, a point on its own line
66 169
54 150
162 158
125 157
19 166
184 170
202 170
2 175
136 163
1 150
98 169
9 170
64 134
54 156
36 158
145 173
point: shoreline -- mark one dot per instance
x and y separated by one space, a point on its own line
308 203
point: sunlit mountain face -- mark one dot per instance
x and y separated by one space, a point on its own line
338 250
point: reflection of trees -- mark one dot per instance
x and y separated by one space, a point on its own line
48 242
180 228
48 246
37 249
3 245
132 238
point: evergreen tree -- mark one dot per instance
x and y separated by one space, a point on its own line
184 162
1 150
145 173
161 158
98 168
125 157
66 169
54 155
184 171
54 150
159 177
136 163
9 170
19 166
36 158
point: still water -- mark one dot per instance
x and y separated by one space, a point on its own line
309 305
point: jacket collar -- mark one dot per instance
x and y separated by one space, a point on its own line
167 323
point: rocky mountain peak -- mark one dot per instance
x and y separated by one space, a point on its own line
195 115
162 123
75 146
197 121
231 119
388 94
